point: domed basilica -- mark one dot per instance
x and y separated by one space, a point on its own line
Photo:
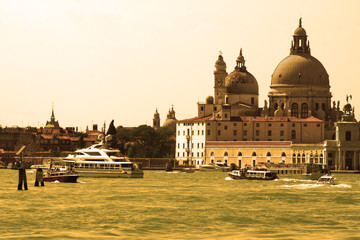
298 124
299 88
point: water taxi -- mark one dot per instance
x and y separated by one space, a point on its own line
327 179
99 160
256 174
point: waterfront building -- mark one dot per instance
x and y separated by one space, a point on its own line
298 126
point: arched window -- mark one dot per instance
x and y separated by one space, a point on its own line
293 134
276 106
298 158
254 154
239 154
303 158
321 158
294 159
268 154
316 158
294 110
311 158
304 110
283 154
226 154
212 154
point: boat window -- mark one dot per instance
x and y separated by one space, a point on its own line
93 153
102 166
94 160
113 154
79 154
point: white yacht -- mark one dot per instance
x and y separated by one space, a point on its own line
100 161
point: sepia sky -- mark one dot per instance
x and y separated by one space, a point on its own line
103 60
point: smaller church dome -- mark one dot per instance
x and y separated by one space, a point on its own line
240 81
210 100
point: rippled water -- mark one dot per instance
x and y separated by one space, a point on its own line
180 206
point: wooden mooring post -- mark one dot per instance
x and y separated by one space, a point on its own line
21 167
39 177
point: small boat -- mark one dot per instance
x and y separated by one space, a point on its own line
188 170
215 167
256 174
60 176
327 179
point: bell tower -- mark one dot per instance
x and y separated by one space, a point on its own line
219 77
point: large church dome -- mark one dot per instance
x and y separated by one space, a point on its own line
240 81
300 70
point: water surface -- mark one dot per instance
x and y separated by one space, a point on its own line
180 206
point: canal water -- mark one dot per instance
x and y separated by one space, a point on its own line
165 205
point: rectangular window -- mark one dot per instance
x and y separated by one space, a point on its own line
225 127
208 132
318 125
184 132
208 124
202 132
281 133
202 108
281 124
198 145
245 124
348 135
257 132
269 133
269 124
219 124
257 124
225 115
293 125
202 145
235 132
178 133
192 145
178 145
219 132
234 124
183 145
192 132
305 124
245 132
198 132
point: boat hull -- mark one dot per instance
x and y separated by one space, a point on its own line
64 178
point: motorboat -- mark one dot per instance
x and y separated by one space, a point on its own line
256 174
214 167
57 172
60 176
327 179
99 160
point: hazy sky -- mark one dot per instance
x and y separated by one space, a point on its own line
104 60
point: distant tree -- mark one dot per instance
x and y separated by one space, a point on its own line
123 136
144 141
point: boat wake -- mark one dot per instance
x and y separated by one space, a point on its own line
295 180
228 179
315 185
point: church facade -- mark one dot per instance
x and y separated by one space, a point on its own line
298 124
